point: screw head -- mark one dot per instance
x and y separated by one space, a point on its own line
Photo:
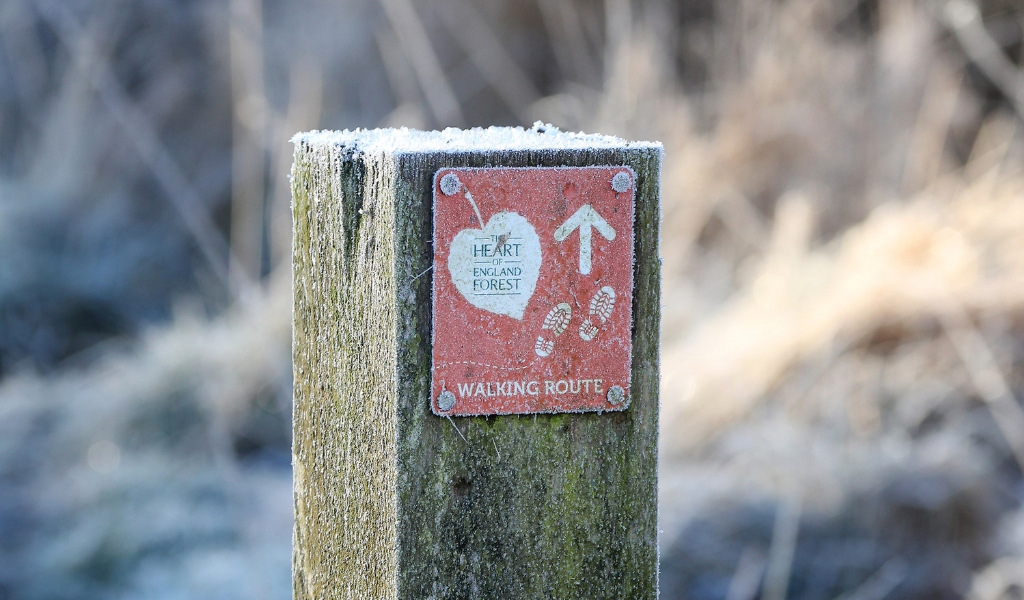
450 184
446 401
615 395
620 182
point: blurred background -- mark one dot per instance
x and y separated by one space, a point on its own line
843 333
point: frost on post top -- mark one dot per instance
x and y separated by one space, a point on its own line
405 141
533 280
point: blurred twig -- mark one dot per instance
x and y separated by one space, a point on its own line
964 18
248 148
987 377
490 57
141 133
562 21
618 17
747 578
401 75
784 538
931 127
882 583
416 44
30 72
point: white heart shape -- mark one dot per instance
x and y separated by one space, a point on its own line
496 268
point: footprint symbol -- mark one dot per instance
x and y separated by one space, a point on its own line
556 322
601 306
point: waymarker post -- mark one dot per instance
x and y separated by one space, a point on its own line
476 326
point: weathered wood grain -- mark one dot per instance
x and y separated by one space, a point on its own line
390 500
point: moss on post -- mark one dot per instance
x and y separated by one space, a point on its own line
390 500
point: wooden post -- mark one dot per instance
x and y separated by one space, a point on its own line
396 498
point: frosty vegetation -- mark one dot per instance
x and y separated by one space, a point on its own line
843 238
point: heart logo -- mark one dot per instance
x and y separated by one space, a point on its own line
496 268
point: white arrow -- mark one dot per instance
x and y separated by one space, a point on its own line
584 218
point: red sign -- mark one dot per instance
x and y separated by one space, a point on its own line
533 290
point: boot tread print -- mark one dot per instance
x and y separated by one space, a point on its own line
601 306
558 319
556 322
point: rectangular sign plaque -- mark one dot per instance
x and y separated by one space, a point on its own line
533 290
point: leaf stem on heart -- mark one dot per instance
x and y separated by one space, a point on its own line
473 204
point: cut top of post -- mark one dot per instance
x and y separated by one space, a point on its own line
492 139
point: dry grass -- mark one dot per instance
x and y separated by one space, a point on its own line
843 254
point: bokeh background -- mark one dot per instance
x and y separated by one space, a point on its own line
843 334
